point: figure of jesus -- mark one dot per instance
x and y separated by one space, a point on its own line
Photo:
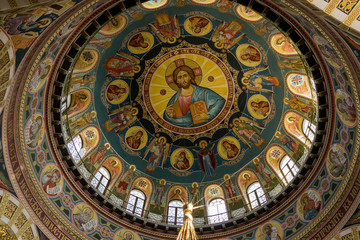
178 111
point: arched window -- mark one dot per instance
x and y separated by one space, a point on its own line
74 147
175 213
288 169
256 195
217 211
101 179
309 130
136 202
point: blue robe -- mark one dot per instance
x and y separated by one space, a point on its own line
214 104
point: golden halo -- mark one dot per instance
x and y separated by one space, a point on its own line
245 81
93 114
226 176
286 100
135 111
180 190
195 184
136 68
178 63
219 45
114 160
203 142
91 211
172 39
162 181
132 167
277 134
162 139
107 145
236 122
245 174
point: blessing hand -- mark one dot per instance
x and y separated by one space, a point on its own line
170 110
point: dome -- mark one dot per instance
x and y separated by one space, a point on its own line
193 104
133 108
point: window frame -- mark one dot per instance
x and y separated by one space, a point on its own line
309 130
135 205
224 215
99 181
258 198
73 150
177 210
290 169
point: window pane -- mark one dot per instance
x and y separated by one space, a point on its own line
288 168
309 129
171 220
252 196
289 177
295 169
136 202
101 188
284 161
104 182
175 212
217 211
256 195
105 172
285 170
94 182
74 147
254 204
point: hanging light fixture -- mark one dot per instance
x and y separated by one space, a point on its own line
187 231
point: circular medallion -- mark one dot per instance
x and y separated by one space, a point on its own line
337 161
190 103
141 42
309 205
182 159
40 74
345 108
84 218
228 148
259 106
51 180
198 25
248 55
117 92
34 131
136 138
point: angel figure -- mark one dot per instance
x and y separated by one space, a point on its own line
166 28
227 34
124 117
248 133
257 83
122 65
158 150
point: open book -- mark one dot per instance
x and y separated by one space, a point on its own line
198 108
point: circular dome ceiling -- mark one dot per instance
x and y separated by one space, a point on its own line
191 102
184 84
